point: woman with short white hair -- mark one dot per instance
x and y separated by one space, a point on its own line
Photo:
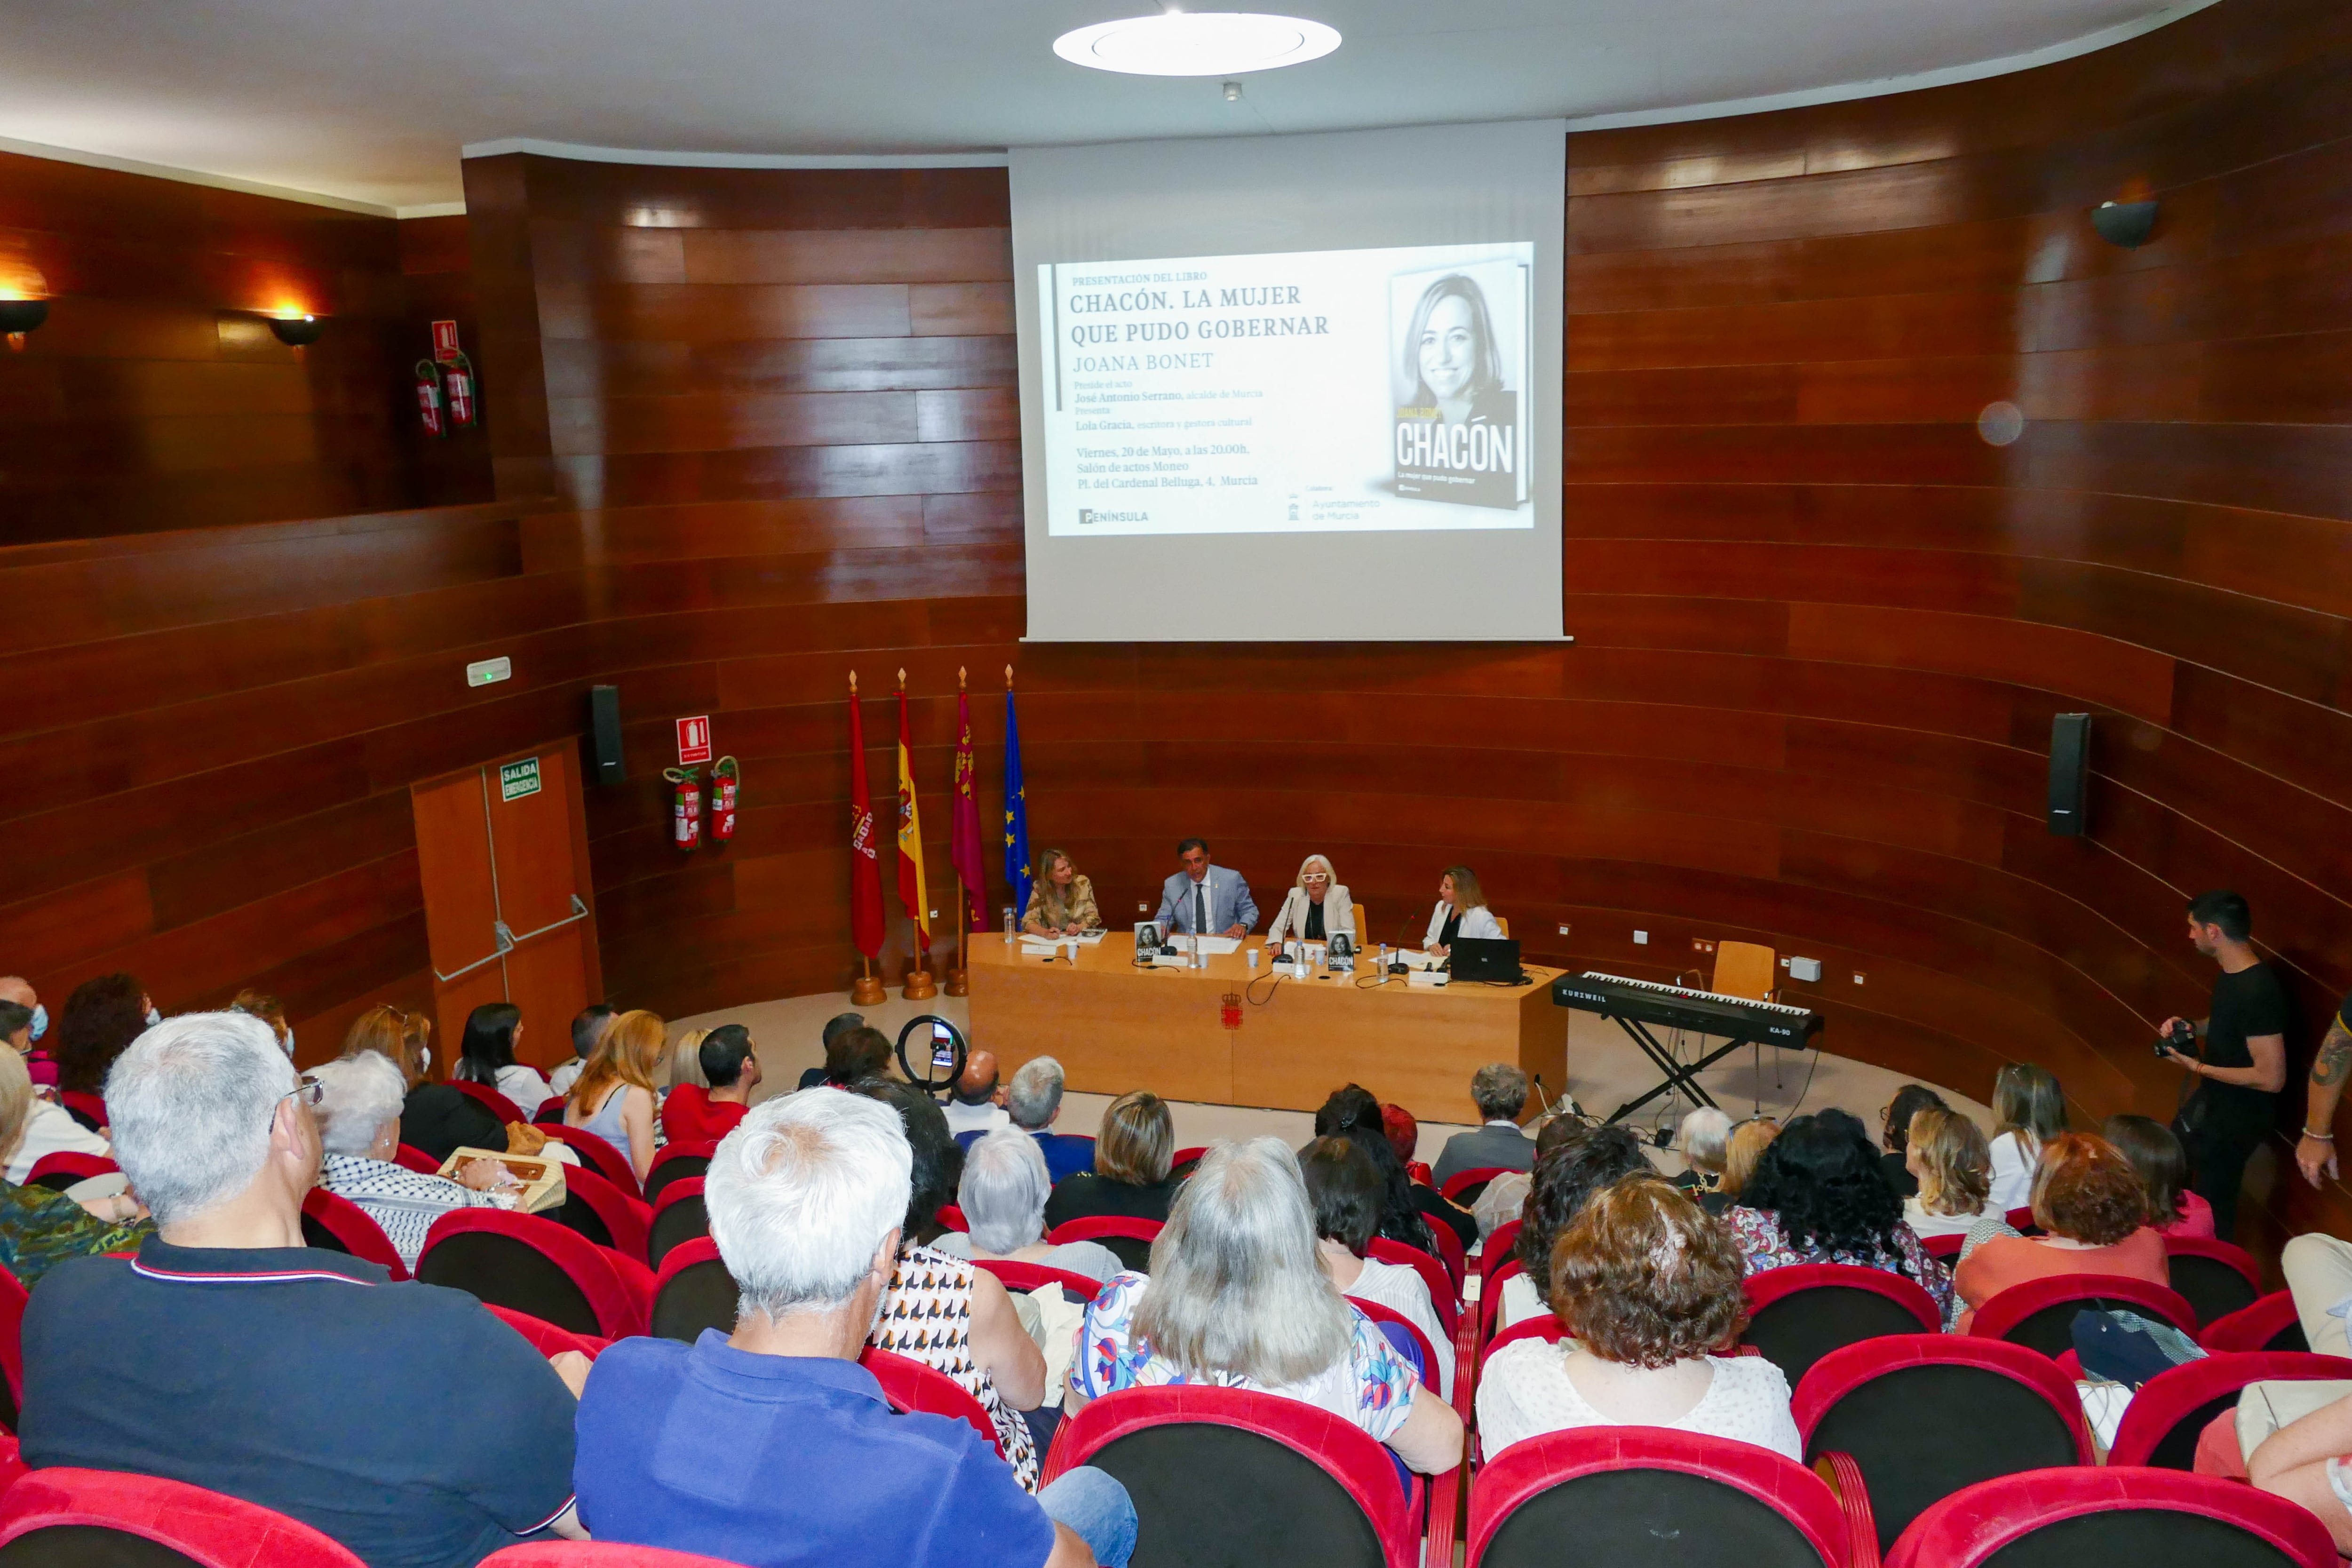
1706 1140
359 1128
1318 907
1003 1194
1238 1296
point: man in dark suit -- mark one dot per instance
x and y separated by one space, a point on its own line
1500 1092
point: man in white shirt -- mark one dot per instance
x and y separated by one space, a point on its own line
975 1107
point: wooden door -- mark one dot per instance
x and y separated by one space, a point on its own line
503 852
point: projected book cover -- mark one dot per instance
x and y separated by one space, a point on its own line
1336 390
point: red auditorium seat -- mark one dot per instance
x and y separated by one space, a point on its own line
2270 1324
2040 1313
550 1111
13 1299
1944 1249
595 1555
1542 1326
78 1519
1181 1163
88 1109
599 1157
2111 1516
1799 1314
1405 1334
2161 1424
952 1218
61 1169
603 1213
534 1265
677 1163
909 1384
2022 1220
341 1226
1432 1274
1924 1415
1130 1239
546 1338
409 1158
12 1463
1227 1476
1017 1276
692 1292
1642 1497
1490 1296
678 1215
490 1100
2215 1277
1502 1244
1450 1253
1463 1187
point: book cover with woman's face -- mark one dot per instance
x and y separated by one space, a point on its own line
1461 350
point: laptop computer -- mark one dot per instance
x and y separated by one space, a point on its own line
1477 958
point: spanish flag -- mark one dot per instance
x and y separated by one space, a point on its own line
912 892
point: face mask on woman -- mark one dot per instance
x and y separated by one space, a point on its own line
40 1020
153 1017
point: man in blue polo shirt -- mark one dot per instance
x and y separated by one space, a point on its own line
1034 1102
403 1419
772 1446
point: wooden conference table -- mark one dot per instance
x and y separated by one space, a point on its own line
1114 1028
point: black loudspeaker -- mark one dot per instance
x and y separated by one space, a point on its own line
604 732
2070 773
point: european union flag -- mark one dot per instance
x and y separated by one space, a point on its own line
1016 813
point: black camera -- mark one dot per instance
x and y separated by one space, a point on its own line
2182 1037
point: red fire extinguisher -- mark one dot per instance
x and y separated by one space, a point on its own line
428 398
458 376
685 806
726 780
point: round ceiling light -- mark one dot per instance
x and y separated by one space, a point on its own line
1197 42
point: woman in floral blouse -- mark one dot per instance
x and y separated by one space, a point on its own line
38 1228
1820 1195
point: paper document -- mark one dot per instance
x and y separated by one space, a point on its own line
1214 946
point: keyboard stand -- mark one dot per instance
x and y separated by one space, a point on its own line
1677 1074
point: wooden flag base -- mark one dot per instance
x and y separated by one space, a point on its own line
919 986
959 982
867 991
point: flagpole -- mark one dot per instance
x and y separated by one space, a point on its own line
918 986
959 976
867 990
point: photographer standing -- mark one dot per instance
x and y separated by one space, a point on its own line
2243 1062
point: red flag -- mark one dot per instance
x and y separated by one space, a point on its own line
963 825
864 869
911 892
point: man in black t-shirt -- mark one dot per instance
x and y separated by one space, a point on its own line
2243 1062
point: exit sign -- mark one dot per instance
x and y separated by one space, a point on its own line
694 740
517 780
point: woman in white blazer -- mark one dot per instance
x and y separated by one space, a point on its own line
1461 911
1316 908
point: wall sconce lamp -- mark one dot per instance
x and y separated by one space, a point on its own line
18 317
2127 222
296 331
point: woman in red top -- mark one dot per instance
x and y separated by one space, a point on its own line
2089 1199
696 1115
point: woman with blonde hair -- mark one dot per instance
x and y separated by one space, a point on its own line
1316 908
616 1095
1061 902
1749 1141
1947 1153
1133 1155
435 1118
1461 911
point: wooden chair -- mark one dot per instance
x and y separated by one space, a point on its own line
1504 926
1744 969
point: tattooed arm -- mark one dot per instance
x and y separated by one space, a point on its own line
2329 1071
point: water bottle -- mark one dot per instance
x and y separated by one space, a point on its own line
1009 923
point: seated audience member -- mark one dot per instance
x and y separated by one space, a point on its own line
1706 1138
946 1312
1461 911
261 1005
1355 1114
1748 1140
1345 1192
1133 1155
359 1128
1003 1194
972 1105
1061 901
1404 1139
1502 1201
855 1054
1576 1164
1237 1297
46 1128
403 1420
1499 1090
486 1054
435 1118
2156 1154
1033 1101
103 1016
588 1027
772 1446
693 1114
2318 1272
1650 1287
1820 1196
2028 1110
2305 1462
835 1027
17 990
614 1097
1951 1170
1894 1129
40 1228
2089 1200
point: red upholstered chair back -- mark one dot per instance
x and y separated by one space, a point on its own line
952 1218
1450 1253
693 1291
1397 1326
1490 1294
410 1158
62 1168
2270 1324
204 1528
490 1100
604 1212
1799 1314
1017 1276
341 1226
598 1156
1463 1187
1944 1249
2040 1313
546 1338
680 1215
2115 1514
1925 1416
1224 1475
1432 1274
12 1299
2162 1421
1543 1326
1620 1492
1132 1239
2216 1278
909 1384
595 1555
1181 1163
1502 1244
534 1265
677 1163
550 1109
86 1108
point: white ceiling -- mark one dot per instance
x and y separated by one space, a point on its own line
370 101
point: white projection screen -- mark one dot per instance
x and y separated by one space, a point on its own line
1293 388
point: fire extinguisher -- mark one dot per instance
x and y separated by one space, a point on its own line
726 780
428 398
685 806
458 376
